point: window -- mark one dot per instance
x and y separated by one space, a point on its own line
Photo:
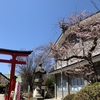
64 85
3 82
77 84
73 38
59 85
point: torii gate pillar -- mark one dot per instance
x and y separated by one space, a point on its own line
13 62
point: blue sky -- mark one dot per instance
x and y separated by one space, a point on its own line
26 24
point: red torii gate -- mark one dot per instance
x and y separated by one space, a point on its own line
13 61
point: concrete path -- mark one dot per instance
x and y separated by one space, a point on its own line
50 99
1 96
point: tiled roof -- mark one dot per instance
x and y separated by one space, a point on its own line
4 76
18 77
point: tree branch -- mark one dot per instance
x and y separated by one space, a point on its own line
90 73
94 45
95 5
90 54
74 56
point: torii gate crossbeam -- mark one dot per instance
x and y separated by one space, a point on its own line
13 62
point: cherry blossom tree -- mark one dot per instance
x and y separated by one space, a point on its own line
82 32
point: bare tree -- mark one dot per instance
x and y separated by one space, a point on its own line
27 72
82 32
39 55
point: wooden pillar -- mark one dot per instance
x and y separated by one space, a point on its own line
68 85
12 79
55 86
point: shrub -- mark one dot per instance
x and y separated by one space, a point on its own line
49 95
90 92
49 82
69 97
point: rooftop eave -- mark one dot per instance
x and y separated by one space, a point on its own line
96 58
